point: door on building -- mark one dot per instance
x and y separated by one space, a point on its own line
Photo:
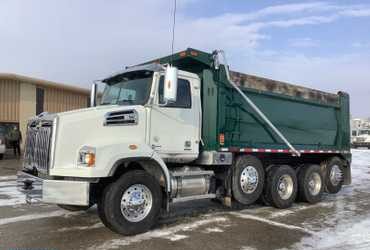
39 100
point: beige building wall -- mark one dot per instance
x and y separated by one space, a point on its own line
18 97
27 106
59 100
9 100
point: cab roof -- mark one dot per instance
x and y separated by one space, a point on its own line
191 60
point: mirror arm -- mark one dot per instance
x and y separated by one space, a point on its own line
163 104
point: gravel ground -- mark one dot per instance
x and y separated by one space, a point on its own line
340 221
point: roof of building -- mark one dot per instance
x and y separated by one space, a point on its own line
44 83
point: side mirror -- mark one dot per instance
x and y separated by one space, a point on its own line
170 84
93 95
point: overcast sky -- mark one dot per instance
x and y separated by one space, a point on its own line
324 45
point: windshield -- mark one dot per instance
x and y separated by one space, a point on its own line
129 89
364 132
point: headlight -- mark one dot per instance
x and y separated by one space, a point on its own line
86 156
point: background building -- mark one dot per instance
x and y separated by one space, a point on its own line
22 97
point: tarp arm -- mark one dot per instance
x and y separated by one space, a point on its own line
251 103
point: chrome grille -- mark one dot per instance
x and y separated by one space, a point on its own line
37 146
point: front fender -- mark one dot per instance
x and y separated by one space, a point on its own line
147 153
107 157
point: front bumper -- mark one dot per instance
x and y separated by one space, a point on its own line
53 191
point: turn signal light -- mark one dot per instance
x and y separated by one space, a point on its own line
89 159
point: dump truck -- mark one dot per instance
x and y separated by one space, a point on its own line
185 128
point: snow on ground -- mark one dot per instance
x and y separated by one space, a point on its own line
8 177
170 233
9 195
346 226
353 235
360 167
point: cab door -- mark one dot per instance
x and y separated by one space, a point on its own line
175 127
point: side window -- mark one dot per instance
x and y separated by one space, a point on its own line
183 99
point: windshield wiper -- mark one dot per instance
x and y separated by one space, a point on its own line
125 101
105 103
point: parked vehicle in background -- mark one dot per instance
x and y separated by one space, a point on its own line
362 140
193 130
2 143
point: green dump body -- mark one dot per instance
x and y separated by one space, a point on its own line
310 119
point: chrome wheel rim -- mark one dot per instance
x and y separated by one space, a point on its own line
285 186
314 184
335 175
136 203
249 179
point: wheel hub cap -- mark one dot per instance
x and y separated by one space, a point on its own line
136 203
314 184
249 179
335 175
285 187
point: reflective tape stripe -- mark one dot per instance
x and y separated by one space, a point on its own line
286 151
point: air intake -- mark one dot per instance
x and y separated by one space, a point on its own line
119 118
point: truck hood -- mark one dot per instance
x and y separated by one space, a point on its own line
101 108
86 127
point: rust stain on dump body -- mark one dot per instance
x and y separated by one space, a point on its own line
278 87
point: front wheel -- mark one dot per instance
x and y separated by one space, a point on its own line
131 205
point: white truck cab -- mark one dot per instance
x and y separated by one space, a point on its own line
67 153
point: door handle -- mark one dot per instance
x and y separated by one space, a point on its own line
154 147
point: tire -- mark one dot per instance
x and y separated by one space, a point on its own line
333 178
1 156
129 186
310 184
275 176
73 208
248 179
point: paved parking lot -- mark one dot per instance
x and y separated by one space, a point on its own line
340 221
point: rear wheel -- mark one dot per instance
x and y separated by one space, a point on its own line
248 179
334 175
310 184
131 205
281 186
